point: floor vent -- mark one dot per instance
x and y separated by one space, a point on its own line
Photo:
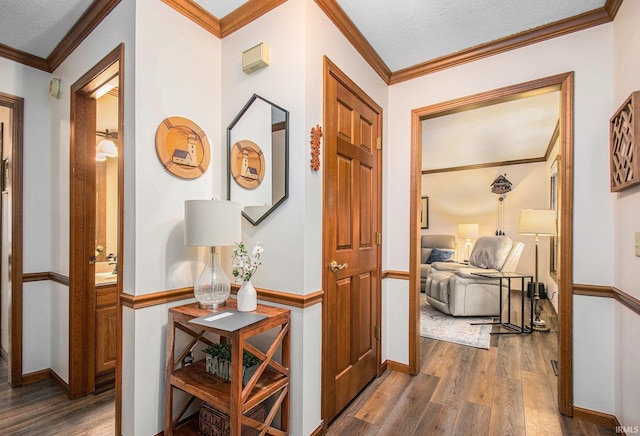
554 365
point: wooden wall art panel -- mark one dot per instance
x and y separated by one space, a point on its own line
624 129
316 134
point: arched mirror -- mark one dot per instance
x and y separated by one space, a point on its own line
258 158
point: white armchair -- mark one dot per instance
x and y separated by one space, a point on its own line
454 289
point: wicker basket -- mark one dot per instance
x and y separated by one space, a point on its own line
213 422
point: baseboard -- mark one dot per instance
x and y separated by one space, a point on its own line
321 429
599 418
64 385
395 366
36 376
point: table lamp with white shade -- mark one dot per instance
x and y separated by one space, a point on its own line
212 223
468 232
537 222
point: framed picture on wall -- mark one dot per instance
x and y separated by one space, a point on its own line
424 213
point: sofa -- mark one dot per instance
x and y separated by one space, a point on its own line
432 248
453 288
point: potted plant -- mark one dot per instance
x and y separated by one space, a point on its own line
218 362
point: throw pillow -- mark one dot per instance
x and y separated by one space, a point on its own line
439 255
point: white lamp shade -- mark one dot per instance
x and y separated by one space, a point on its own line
108 148
211 223
468 231
537 222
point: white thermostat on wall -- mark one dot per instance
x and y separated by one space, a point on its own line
255 58
55 87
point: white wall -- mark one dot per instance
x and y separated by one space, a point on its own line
177 73
626 206
32 85
589 54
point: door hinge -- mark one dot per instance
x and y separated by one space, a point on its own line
379 143
379 238
377 333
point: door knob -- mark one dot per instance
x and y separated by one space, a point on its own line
333 266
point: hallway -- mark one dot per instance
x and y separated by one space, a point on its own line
43 409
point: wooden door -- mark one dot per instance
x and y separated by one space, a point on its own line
351 211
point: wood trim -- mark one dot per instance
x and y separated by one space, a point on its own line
16 106
593 290
629 301
41 276
399 367
599 418
64 385
36 376
612 7
197 14
24 58
522 39
82 301
485 165
391 274
554 137
279 297
337 15
245 14
320 430
564 83
93 16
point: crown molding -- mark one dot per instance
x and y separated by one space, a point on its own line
197 14
93 16
245 14
23 58
522 39
344 24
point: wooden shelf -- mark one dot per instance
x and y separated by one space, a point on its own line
227 396
195 380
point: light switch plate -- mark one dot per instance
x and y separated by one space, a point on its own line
637 244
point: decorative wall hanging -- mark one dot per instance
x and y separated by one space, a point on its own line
624 129
501 186
316 134
182 147
247 164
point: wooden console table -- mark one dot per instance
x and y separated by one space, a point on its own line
270 379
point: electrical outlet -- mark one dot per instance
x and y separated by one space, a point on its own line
637 244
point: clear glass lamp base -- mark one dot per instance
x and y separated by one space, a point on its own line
212 288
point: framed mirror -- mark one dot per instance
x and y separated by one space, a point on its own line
258 158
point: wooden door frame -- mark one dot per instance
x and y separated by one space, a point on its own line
565 84
330 69
16 107
82 168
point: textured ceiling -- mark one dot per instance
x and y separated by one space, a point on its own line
405 33
219 8
38 26
519 129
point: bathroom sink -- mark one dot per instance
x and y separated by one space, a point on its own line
105 277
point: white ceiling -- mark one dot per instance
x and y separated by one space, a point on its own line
518 129
405 33
37 26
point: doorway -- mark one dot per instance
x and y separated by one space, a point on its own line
12 108
96 220
564 84
351 241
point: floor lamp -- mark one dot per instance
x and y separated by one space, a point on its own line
537 223
468 232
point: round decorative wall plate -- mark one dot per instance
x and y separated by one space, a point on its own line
182 147
247 164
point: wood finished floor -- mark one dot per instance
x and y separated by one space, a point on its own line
510 389
43 409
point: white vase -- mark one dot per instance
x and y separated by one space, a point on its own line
247 297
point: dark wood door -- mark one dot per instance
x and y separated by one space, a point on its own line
350 239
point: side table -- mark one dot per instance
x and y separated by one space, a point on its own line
508 276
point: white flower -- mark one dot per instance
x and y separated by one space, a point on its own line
243 266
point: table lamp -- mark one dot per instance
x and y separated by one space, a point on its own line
468 232
211 223
539 223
